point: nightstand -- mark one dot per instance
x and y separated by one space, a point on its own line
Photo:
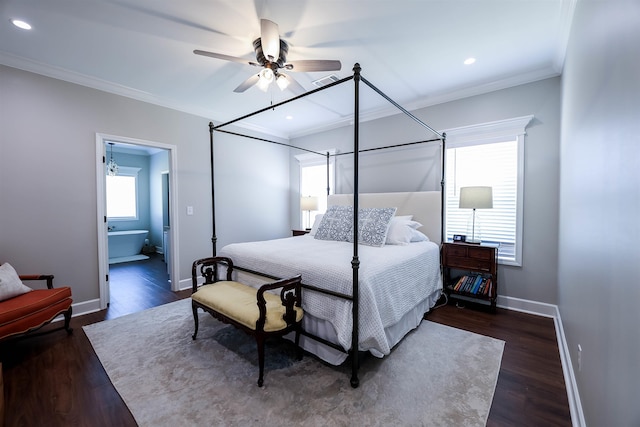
476 272
299 232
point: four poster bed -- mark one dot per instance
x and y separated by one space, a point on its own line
373 300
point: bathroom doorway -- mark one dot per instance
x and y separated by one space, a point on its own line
135 183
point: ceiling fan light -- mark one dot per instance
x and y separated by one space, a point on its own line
282 81
263 84
267 75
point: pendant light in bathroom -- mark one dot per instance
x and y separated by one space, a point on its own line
112 167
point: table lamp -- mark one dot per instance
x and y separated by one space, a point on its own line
475 198
309 203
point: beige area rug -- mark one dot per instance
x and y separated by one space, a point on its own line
437 376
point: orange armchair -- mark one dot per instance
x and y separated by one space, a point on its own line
25 313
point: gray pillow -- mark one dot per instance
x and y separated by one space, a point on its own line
10 284
336 224
373 225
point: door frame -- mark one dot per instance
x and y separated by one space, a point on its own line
103 253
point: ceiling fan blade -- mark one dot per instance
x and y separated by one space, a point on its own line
225 57
251 81
270 39
314 65
293 86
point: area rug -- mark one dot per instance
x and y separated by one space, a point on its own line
436 376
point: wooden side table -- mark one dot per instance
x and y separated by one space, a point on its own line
476 277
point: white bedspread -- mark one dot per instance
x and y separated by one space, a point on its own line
393 280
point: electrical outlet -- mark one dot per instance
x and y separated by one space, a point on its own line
189 210
579 358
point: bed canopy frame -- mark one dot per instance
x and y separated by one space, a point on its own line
355 262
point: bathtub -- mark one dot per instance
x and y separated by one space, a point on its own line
126 243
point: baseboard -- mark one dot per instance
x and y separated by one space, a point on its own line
81 308
575 404
551 310
86 307
527 306
185 284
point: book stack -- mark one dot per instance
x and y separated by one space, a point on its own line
474 284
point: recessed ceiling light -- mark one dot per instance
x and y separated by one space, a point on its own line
289 117
21 24
469 61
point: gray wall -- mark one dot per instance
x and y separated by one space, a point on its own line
599 256
158 163
418 168
48 213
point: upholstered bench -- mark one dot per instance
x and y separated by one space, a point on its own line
30 309
256 311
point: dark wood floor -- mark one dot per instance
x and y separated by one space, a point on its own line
136 286
531 389
57 380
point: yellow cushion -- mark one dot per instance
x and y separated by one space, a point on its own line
239 302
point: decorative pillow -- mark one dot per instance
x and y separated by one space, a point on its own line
10 284
401 231
336 224
373 225
316 224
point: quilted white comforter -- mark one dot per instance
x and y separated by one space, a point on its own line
393 280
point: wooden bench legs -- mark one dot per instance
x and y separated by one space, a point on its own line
261 313
260 338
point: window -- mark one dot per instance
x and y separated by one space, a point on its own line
313 182
490 154
122 194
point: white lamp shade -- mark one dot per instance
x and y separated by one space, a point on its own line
282 81
309 203
476 198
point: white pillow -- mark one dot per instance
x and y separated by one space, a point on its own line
316 224
10 284
417 236
401 230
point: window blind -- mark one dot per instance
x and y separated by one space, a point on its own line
493 164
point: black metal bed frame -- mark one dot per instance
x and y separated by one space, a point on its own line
355 262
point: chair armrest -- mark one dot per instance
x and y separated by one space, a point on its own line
208 268
47 277
290 295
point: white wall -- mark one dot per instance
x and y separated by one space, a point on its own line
599 256
48 216
418 168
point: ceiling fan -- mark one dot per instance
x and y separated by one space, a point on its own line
271 54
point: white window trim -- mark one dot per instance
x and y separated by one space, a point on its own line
312 159
128 171
497 131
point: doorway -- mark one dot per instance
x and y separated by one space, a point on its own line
153 209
